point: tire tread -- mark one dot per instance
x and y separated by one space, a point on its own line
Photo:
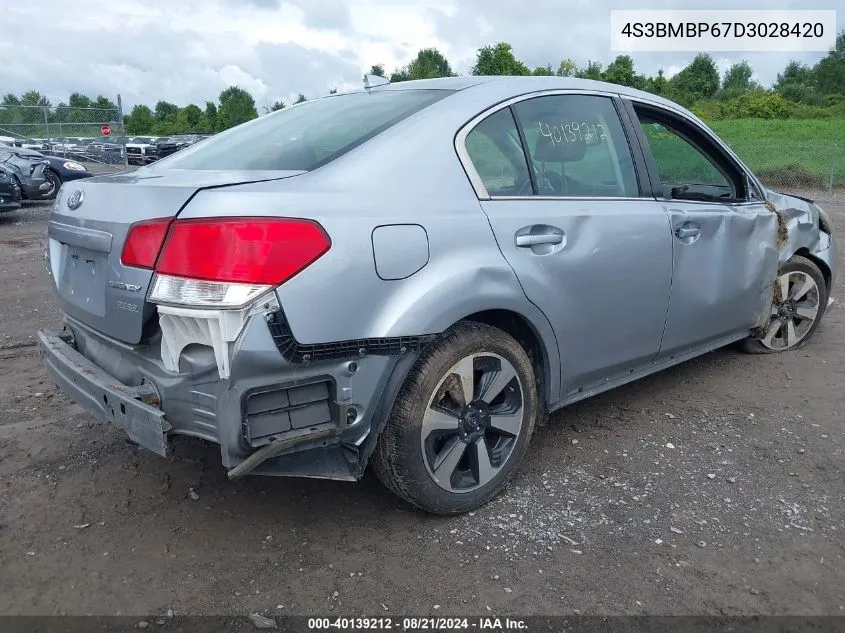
389 460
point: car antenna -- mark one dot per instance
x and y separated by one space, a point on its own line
371 81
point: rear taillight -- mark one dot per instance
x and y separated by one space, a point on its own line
242 250
227 262
143 243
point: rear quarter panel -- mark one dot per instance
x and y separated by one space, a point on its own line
407 175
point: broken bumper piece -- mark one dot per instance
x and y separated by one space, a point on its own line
270 416
102 395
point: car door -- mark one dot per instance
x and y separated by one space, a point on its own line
724 248
556 177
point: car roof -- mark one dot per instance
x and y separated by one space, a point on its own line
506 86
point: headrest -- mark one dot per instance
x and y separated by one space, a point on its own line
547 150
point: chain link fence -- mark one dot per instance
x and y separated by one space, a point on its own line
92 136
96 137
812 168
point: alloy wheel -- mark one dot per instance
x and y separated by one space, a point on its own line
795 309
472 422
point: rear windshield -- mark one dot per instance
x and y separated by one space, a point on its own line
306 136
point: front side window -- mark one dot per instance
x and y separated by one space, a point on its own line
577 146
306 136
685 168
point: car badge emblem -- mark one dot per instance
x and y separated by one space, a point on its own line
122 286
75 199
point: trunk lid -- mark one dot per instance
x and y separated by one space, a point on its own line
88 226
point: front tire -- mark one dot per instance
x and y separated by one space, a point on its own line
461 422
799 301
55 183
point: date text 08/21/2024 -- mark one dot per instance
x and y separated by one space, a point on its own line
417 624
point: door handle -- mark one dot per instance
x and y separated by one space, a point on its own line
527 241
683 232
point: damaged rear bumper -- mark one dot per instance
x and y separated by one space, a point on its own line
269 416
103 396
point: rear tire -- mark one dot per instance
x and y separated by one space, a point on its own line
798 304
446 455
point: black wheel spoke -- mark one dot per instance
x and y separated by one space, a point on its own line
795 309
465 440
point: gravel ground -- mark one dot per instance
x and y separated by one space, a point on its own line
715 487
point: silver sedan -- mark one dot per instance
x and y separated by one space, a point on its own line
415 275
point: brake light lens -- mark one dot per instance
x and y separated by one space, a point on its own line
242 250
228 262
143 243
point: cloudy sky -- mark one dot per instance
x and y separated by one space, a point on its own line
189 50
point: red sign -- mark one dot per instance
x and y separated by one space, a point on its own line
105 130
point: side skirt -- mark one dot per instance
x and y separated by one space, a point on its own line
647 370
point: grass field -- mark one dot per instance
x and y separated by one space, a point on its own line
789 152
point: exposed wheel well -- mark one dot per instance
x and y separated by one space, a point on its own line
826 273
518 327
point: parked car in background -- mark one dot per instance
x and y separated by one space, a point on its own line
10 192
172 144
59 170
66 147
141 150
109 151
412 276
29 169
36 144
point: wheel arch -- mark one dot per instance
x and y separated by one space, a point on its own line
521 329
538 340
822 265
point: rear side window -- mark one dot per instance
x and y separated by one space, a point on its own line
496 152
306 136
577 146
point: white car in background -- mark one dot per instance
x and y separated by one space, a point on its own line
141 150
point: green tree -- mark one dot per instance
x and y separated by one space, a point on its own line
76 112
829 73
591 71
103 103
737 81
498 60
193 117
78 100
621 71
333 91
699 80
165 114
797 83
543 71
140 121
300 99
657 84
377 70
10 100
236 106
165 110
277 105
34 98
210 116
429 63
566 68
